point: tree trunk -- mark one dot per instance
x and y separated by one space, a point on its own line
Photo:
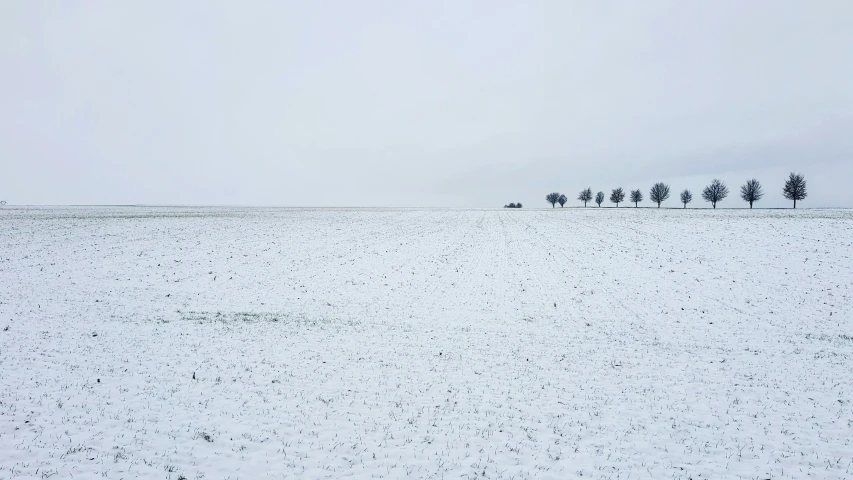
714 204
795 203
658 204
750 204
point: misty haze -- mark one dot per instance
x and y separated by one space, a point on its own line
479 240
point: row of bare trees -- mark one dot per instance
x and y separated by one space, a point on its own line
716 191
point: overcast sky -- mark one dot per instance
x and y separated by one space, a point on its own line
420 103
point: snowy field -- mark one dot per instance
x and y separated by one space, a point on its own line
502 344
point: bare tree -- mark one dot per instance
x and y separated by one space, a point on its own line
562 200
751 191
2 203
518 205
686 197
659 193
585 196
552 198
715 192
599 198
636 197
795 188
617 196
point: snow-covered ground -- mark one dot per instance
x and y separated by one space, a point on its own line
570 343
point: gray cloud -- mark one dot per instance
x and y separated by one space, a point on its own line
418 103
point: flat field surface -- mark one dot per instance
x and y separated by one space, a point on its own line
297 343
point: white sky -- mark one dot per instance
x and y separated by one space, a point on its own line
416 103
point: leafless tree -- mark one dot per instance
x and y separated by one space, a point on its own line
2 203
686 197
552 198
795 188
599 198
751 191
585 196
617 196
715 192
659 193
636 197
562 200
